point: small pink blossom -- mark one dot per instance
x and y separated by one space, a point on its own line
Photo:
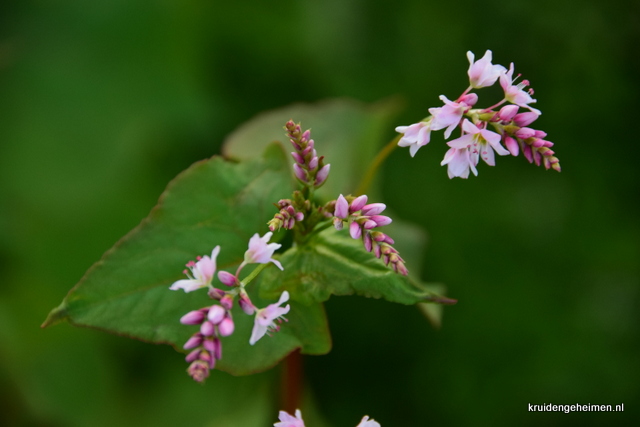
201 273
366 422
265 318
449 115
415 136
459 163
482 72
287 420
515 93
260 251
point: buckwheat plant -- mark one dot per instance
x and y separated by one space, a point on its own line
284 235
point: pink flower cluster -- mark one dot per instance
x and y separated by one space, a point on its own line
287 420
308 167
362 219
216 320
476 140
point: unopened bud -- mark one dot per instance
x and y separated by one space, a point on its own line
215 293
216 314
227 278
226 327
207 329
470 99
300 173
508 112
525 119
195 317
322 175
193 342
358 203
512 145
227 301
198 370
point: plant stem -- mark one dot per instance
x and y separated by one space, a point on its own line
291 382
377 162
254 273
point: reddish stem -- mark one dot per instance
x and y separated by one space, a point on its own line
291 382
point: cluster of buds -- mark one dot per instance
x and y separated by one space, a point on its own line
362 219
517 136
215 321
286 217
287 420
308 167
476 141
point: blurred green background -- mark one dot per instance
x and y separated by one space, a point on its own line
102 103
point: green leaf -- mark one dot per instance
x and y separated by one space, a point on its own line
214 202
334 264
348 133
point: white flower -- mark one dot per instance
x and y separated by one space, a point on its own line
265 318
202 273
260 251
415 136
366 422
516 93
287 420
482 72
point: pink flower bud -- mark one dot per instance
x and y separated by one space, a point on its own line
368 241
369 224
299 216
299 172
508 112
537 143
226 327
377 250
198 370
358 203
216 314
525 119
227 302
215 293
195 317
342 208
525 133
297 157
192 356
217 348
245 304
373 209
207 329
193 342
512 145
227 278
305 136
470 99
306 150
400 268
209 345
540 134
537 157
313 163
354 230
381 220
322 175
528 154
381 237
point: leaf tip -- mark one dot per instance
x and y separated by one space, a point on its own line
57 315
439 299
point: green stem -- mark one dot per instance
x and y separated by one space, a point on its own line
254 273
377 162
